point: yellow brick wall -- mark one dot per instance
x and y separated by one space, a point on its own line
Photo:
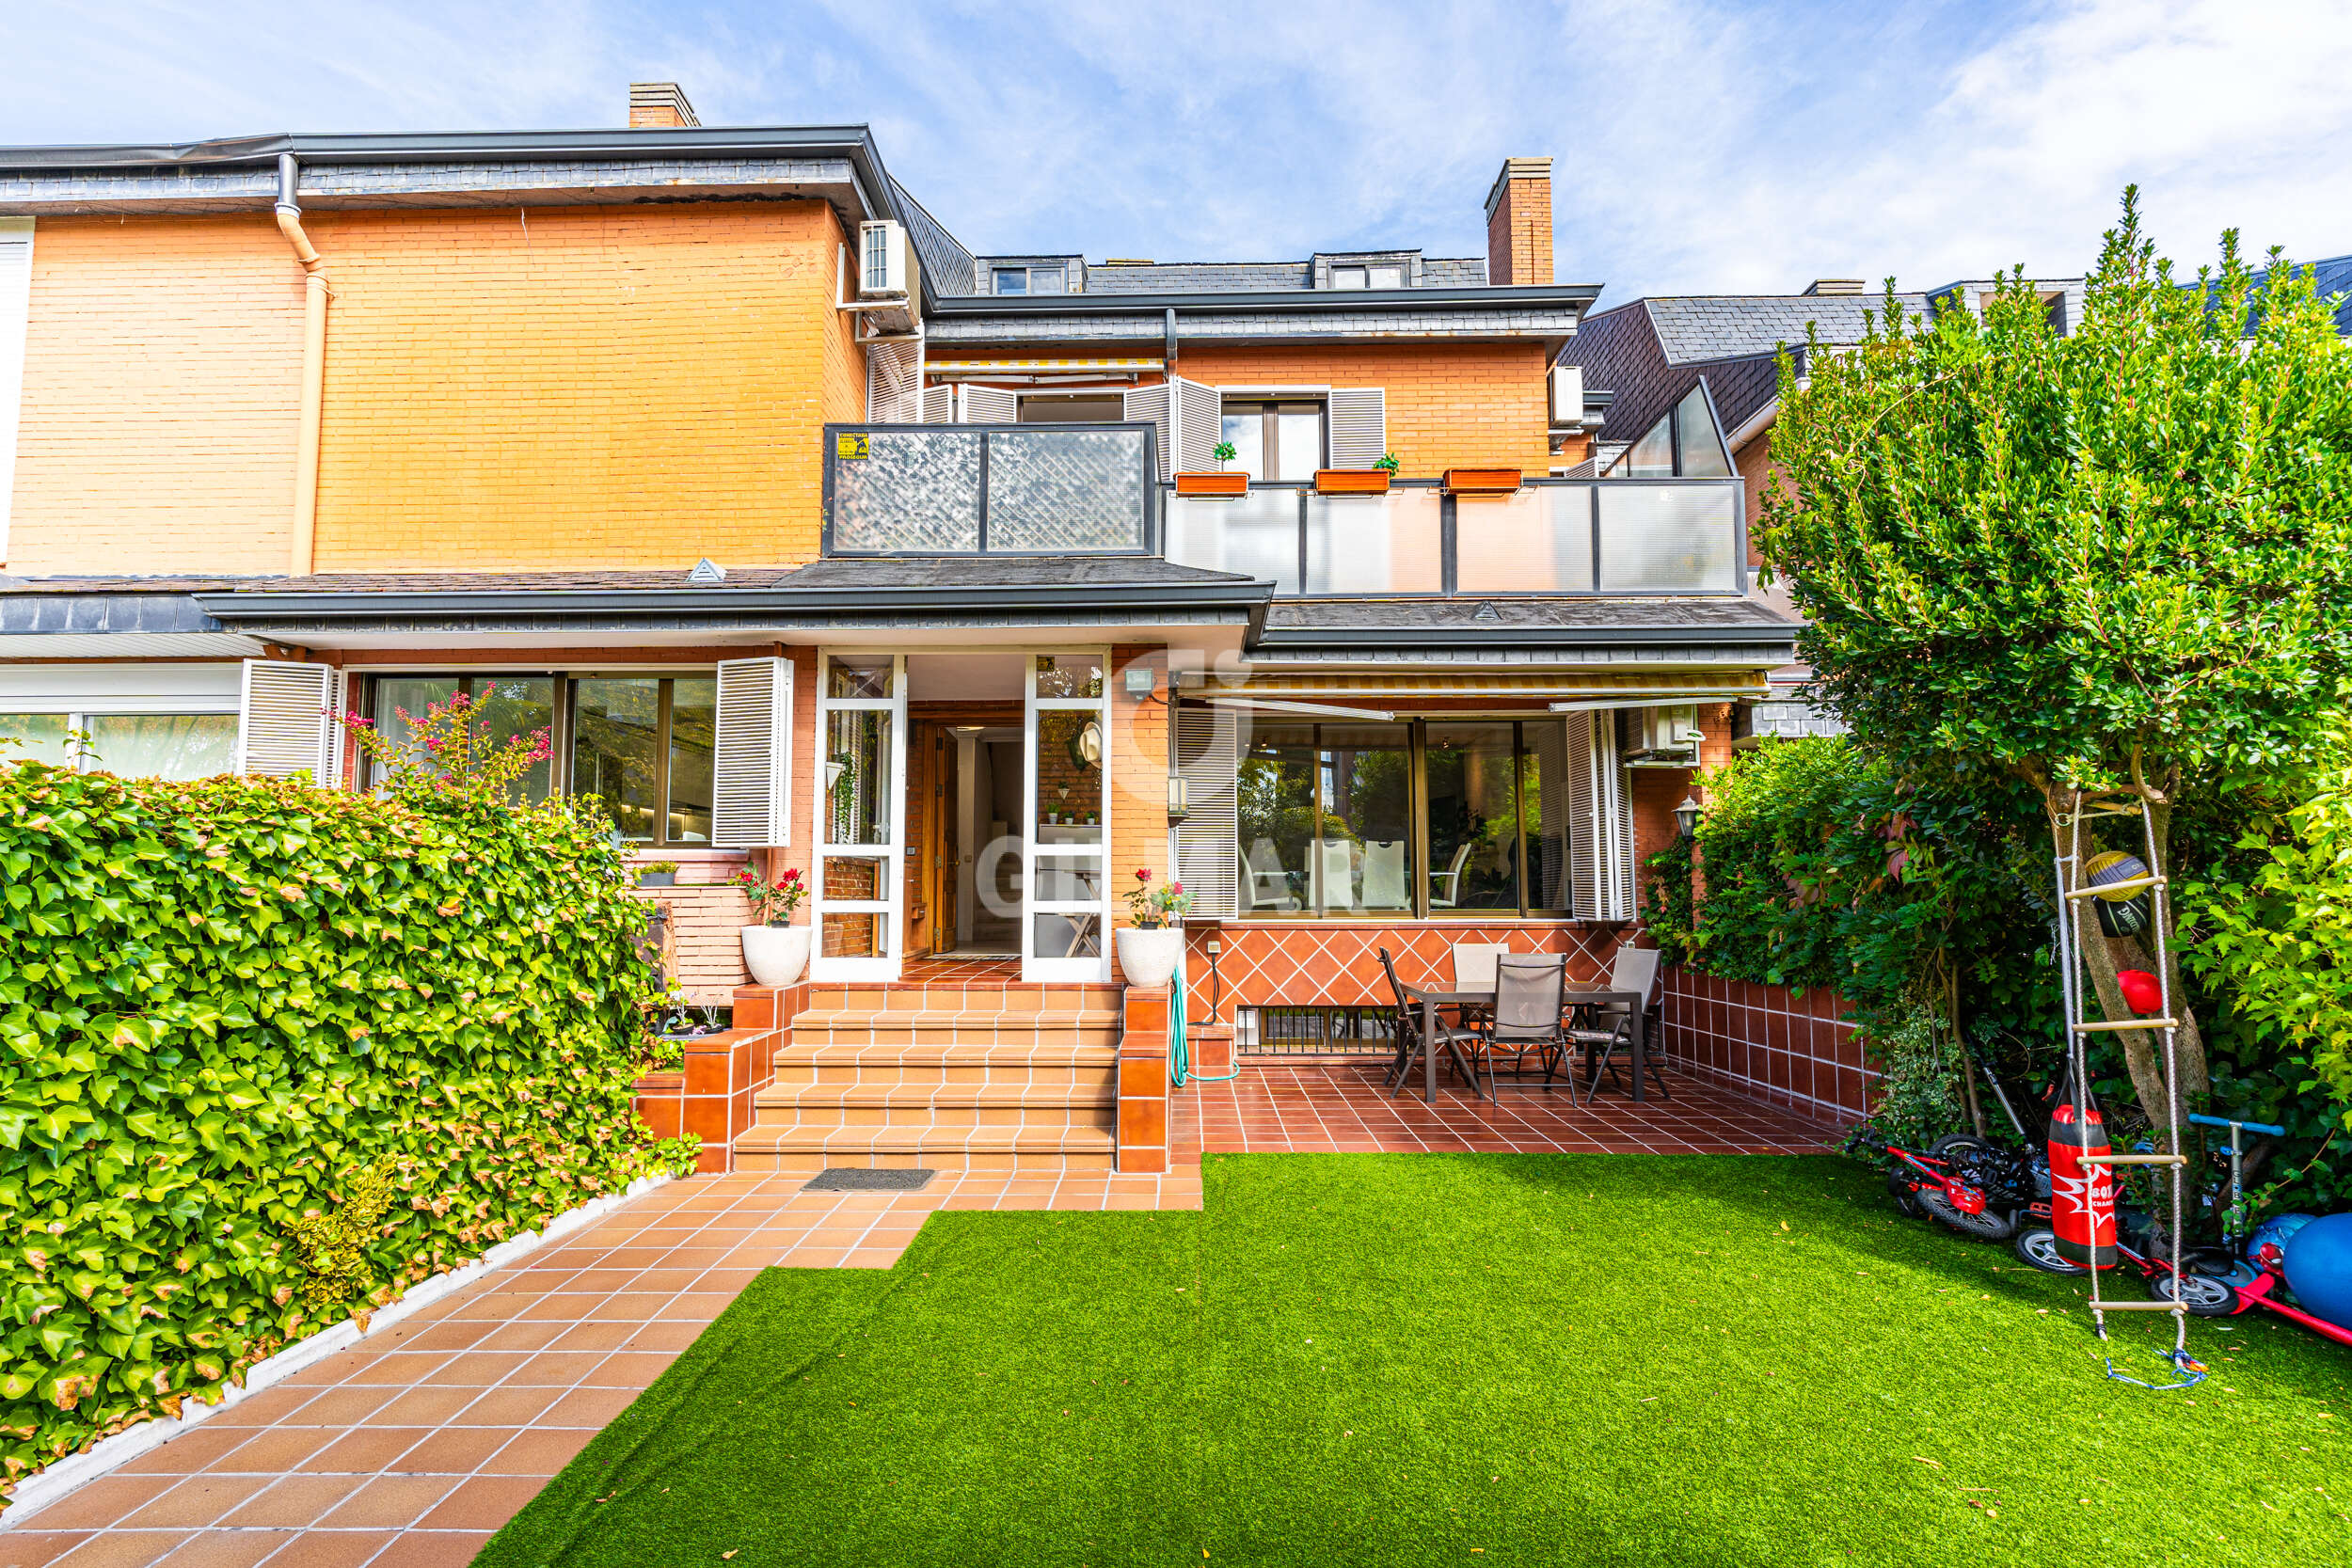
1450 405
1137 752
162 371
614 386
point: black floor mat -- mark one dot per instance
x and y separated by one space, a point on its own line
848 1178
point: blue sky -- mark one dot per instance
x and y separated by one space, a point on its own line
1700 147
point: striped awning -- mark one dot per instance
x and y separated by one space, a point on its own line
970 369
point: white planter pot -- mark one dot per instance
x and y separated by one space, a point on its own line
1148 958
775 954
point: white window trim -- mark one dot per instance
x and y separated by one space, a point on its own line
16 303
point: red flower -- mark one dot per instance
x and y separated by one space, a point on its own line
1143 874
1175 887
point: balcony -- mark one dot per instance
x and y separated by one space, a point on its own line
982 489
1612 538
1093 489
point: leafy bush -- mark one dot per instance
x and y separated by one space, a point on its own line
269 1052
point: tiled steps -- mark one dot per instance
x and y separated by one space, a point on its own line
947 1075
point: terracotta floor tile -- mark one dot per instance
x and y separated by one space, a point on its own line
227 1548
197 1501
630 1368
187 1453
332 1548
460 1334
507 1407
454 1451
432 1549
276 1450
694 1308
37 1547
537 1452
587 1407
388 1503
668 1338
522 1338
123 1549
365 1451
265 1408
422 1407
293 1503
483 1503
105 1502
401 1368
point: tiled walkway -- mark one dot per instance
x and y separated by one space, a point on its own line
408 1451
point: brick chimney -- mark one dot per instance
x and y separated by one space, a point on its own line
1519 223
659 106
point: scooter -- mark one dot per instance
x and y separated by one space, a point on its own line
2251 1292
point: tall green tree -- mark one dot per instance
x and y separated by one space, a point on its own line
2116 558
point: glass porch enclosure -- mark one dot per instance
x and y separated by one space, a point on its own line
859 900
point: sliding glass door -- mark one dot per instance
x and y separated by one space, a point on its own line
1065 905
860 780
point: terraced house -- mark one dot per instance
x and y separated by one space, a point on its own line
970 584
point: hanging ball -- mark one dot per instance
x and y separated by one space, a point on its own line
2267 1246
2115 866
2141 993
2319 1268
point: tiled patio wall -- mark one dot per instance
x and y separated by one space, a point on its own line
1795 1050
1337 963
711 1096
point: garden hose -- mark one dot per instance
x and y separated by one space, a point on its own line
1179 1049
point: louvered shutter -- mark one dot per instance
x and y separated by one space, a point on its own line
1359 426
752 766
991 405
16 283
285 721
1208 836
1600 824
1151 405
1200 425
893 382
939 405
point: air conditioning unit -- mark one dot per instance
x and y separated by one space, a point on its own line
882 260
1662 736
1567 396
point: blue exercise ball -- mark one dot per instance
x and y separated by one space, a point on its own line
2319 1268
2267 1246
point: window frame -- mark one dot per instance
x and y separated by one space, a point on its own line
1417 745
1270 409
77 722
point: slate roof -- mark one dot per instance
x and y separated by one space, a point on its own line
1478 617
1692 328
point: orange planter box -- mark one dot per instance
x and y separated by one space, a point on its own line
1352 482
1213 486
1481 482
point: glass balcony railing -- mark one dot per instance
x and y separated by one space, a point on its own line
978 489
1613 537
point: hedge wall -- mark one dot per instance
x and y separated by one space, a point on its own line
270 1053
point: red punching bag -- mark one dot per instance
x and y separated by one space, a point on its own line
2082 1198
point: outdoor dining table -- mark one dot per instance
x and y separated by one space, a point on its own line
1574 994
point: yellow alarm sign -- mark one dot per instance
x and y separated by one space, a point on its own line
850 445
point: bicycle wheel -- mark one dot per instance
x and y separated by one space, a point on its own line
1899 1190
1964 1156
2039 1247
2204 1297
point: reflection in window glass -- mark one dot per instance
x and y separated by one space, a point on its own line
852 936
1012 280
1068 881
38 737
1298 437
163 745
1069 777
857 777
1066 936
1069 675
1544 785
1388 277
858 677
616 738
1364 858
508 706
1652 456
1473 817
411 696
1246 430
694 739
1275 788
1694 432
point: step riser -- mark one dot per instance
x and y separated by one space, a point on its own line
977 998
945 1121
923 1081
957 1037
769 1162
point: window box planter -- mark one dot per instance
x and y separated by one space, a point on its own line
1481 482
1351 482
1213 486
656 878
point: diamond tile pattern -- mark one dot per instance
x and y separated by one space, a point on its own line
1337 963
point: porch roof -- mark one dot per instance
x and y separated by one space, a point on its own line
1641 627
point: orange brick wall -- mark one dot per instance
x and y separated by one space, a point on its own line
580 387
1450 405
1138 759
1519 234
1754 462
162 378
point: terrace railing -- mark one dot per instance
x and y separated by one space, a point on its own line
991 489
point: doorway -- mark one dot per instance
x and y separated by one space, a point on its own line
976 845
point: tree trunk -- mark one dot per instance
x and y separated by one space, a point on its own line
2103 957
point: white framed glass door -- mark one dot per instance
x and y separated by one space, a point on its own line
1065 895
860 782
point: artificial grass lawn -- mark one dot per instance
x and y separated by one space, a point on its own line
1354 1359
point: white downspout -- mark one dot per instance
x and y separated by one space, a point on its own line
315 295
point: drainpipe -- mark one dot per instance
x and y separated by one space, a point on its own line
305 509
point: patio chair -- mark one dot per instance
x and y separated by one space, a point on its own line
1450 881
1529 989
1408 1041
1263 880
1383 874
1609 1025
1475 964
1335 873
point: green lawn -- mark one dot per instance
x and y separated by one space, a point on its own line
1357 1359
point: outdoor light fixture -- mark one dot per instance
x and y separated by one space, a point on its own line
1179 794
1140 682
1687 815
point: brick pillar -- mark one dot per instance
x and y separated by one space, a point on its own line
1136 755
1519 223
659 106
1143 1081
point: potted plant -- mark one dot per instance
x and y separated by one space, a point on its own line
656 873
1217 486
1148 950
775 950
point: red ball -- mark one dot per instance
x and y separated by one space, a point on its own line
2141 993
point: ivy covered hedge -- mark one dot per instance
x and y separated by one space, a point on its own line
269 1054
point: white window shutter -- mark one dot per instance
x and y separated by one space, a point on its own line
16 296
893 382
991 405
286 722
939 405
1359 426
1208 836
1200 425
752 767
1151 405
1601 826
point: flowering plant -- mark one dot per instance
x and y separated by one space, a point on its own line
1152 908
449 752
772 903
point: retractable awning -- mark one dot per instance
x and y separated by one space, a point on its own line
990 370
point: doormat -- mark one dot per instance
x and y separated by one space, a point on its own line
849 1179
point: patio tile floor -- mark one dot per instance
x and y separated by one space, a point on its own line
410 1449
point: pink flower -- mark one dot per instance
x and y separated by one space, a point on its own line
1175 887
